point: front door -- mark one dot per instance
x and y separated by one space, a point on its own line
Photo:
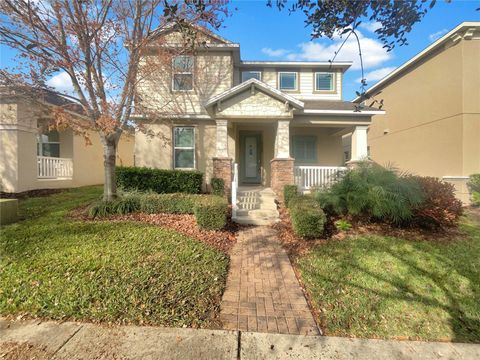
251 158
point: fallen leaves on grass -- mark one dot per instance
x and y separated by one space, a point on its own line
187 225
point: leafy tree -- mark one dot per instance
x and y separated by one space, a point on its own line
99 45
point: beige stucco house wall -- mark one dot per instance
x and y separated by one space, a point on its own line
20 119
432 103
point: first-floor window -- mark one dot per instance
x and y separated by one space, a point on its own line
48 144
304 148
184 147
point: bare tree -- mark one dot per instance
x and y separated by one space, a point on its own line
99 44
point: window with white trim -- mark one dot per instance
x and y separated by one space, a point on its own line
182 77
304 148
247 75
324 81
287 80
48 144
184 147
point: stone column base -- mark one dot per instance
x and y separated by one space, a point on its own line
281 175
222 168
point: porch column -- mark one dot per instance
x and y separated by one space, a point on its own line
222 164
359 145
282 164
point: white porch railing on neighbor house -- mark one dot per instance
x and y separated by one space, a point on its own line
54 168
309 177
234 190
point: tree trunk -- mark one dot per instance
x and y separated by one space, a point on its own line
109 159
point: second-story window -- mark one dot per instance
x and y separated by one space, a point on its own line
287 80
247 75
324 82
182 73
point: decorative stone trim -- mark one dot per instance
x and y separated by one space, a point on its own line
281 175
222 168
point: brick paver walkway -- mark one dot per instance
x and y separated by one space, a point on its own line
263 293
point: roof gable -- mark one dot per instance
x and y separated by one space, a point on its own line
172 35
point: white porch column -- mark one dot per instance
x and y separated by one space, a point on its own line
282 140
222 139
359 143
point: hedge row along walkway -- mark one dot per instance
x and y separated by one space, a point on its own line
263 293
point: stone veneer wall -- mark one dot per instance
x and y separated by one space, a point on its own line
282 174
222 168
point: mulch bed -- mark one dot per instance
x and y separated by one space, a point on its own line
185 224
30 193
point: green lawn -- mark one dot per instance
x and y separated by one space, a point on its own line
54 267
374 286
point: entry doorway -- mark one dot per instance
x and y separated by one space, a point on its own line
250 157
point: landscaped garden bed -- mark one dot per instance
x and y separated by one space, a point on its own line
60 267
393 257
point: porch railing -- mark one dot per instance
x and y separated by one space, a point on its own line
309 177
234 190
54 168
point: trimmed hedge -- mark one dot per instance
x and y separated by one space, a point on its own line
178 203
218 186
474 187
289 192
159 180
308 218
211 212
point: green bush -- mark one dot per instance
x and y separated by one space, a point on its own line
373 192
211 212
308 218
218 186
125 204
343 225
159 180
289 192
152 203
474 187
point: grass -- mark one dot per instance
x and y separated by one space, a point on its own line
384 287
55 267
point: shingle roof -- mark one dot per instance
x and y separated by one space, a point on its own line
334 105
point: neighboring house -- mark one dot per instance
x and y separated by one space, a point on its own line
31 157
432 104
281 122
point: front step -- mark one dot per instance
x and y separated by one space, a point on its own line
256 207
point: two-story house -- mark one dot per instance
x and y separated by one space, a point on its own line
281 122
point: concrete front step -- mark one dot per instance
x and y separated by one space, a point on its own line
258 213
257 206
247 220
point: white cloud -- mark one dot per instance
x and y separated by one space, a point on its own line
437 35
378 74
373 52
275 53
61 83
371 26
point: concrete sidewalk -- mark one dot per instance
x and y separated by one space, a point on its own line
69 340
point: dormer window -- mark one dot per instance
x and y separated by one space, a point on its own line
182 73
324 81
247 75
287 80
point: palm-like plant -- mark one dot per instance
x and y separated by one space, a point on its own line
373 192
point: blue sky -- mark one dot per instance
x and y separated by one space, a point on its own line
268 34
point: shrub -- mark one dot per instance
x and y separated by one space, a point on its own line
218 186
343 225
440 207
373 192
308 219
152 203
474 187
159 180
123 205
211 212
289 192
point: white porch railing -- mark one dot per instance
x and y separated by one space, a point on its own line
54 168
309 177
234 190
